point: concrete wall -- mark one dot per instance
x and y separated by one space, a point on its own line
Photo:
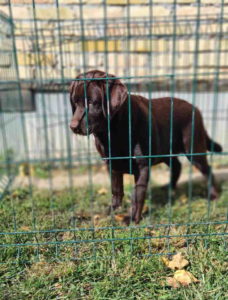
47 135
149 51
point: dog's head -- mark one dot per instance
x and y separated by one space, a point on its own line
94 100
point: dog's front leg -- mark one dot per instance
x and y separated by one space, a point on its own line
141 182
117 189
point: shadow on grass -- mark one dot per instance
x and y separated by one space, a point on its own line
160 195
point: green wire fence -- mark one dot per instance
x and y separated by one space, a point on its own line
54 188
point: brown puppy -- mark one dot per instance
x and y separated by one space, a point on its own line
147 133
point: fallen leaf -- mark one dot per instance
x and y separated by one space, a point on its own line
102 191
150 231
157 242
179 241
121 217
184 277
96 219
177 262
58 285
183 199
145 209
170 281
25 228
67 236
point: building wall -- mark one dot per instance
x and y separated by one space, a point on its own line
145 46
54 45
45 133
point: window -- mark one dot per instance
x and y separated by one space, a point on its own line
10 100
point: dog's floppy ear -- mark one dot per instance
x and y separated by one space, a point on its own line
117 92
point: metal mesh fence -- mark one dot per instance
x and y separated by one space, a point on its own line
54 186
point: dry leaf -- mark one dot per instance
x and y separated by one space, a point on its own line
121 217
67 236
96 219
58 285
159 243
177 241
177 262
184 277
183 199
25 228
150 231
145 209
102 191
170 281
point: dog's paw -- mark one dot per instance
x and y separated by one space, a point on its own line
127 220
112 208
214 195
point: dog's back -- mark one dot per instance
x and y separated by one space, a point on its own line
176 122
170 122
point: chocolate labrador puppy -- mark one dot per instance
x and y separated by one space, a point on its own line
99 103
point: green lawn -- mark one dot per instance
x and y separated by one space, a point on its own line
82 262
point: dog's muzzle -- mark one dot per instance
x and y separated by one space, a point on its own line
76 124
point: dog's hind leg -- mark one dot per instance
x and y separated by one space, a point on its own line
200 161
175 171
202 165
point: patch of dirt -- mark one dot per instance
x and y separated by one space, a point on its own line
61 179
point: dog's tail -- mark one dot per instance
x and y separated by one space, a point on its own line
212 145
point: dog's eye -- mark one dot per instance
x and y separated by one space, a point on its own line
96 103
87 101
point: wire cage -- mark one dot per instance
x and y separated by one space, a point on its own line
54 186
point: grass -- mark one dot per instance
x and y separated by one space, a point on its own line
106 263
